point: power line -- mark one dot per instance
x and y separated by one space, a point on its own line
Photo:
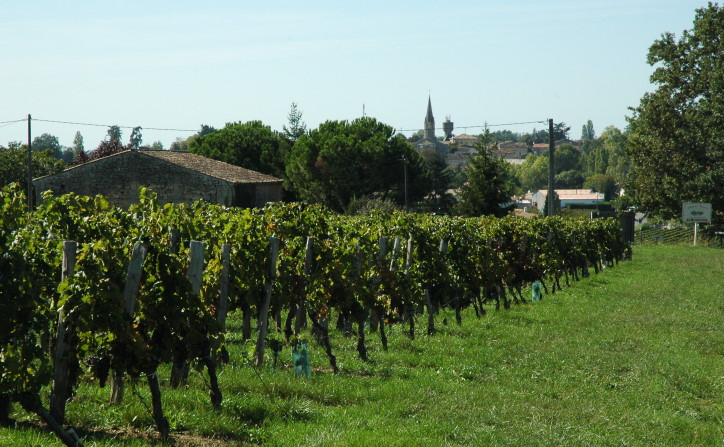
110 125
479 126
13 121
10 123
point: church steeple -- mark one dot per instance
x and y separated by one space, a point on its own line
429 122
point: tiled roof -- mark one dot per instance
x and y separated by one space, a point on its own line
575 194
213 168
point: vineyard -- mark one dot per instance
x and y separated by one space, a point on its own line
91 290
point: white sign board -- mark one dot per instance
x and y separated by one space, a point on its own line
696 212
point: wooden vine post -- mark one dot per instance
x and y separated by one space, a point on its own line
320 323
361 315
180 368
301 311
130 291
410 309
222 308
379 311
264 308
59 394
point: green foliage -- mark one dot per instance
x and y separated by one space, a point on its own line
24 318
677 131
571 179
533 173
488 190
602 183
588 134
114 134
367 205
14 165
297 127
136 138
567 158
47 142
556 205
341 160
441 178
251 145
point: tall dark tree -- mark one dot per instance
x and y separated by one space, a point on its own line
114 133
588 134
341 160
488 190
136 138
439 201
205 130
297 127
677 132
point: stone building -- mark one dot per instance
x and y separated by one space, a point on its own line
176 177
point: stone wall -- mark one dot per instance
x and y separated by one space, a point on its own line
119 176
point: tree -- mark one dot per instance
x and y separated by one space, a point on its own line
205 130
417 136
136 138
78 143
556 205
297 127
114 133
588 134
342 160
251 145
533 173
602 183
157 145
676 138
488 190
441 177
48 142
567 158
571 179
14 165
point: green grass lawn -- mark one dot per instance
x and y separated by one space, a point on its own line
633 356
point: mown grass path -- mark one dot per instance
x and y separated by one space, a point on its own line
633 356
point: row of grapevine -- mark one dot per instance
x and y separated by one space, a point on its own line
296 264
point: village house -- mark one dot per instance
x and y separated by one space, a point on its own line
567 197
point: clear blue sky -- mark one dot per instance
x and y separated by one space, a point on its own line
179 64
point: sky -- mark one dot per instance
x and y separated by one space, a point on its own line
180 64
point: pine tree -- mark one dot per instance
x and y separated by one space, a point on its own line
297 127
488 190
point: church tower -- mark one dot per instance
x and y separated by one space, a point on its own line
429 122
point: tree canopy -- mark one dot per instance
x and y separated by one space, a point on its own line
342 160
14 164
677 131
48 142
251 145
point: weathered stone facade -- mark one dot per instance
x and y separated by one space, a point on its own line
176 177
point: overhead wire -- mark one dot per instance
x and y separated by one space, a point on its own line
76 123
111 125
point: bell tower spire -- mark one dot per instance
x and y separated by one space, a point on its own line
429 121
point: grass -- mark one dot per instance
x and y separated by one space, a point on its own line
633 356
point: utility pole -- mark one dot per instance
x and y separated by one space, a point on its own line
30 168
551 168
404 167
